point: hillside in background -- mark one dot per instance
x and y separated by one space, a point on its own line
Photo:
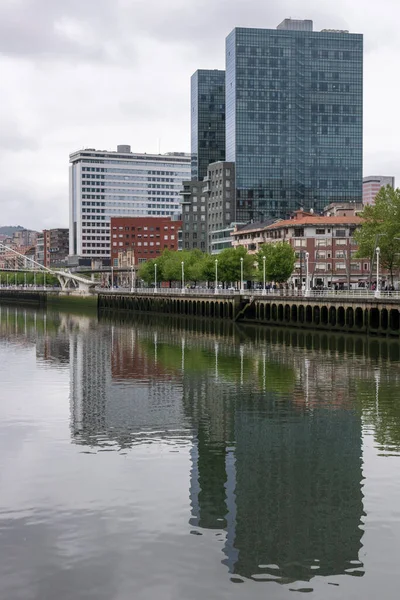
10 229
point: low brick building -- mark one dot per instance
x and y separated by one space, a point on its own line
146 237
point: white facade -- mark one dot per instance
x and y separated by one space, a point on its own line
119 184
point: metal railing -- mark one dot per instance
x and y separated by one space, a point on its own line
280 293
219 292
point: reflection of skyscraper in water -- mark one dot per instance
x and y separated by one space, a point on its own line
90 378
298 492
209 407
283 479
118 394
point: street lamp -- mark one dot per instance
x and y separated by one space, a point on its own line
241 274
264 259
112 278
183 276
377 291
155 277
307 290
378 235
216 276
131 278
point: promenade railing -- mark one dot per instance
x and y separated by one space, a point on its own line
280 293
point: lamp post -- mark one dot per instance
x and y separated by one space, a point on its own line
241 274
34 280
44 280
377 237
155 277
131 278
216 276
264 259
183 276
307 290
25 280
377 290
112 278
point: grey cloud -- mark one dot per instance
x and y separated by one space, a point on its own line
54 28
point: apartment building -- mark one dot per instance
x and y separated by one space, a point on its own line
328 240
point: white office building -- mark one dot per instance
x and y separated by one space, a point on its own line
106 184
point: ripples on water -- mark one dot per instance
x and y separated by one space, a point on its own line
158 458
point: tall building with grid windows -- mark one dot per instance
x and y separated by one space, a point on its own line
207 120
107 184
294 109
372 185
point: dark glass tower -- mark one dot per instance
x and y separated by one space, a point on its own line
207 120
294 118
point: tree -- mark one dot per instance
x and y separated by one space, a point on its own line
194 265
146 271
381 227
208 266
229 264
279 261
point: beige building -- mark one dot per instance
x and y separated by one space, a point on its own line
328 240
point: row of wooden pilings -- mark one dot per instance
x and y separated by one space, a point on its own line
363 316
225 308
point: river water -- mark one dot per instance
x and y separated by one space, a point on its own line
160 459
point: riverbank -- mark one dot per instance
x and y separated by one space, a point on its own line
369 315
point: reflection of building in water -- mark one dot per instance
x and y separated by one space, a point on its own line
27 327
281 472
298 491
115 397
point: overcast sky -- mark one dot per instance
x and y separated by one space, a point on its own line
97 73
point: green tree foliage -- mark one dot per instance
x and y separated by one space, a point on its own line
146 272
209 267
381 227
279 261
198 266
229 264
30 279
169 267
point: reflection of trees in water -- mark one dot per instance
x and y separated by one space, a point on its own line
379 400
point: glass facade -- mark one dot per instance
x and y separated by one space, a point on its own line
294 111
207 120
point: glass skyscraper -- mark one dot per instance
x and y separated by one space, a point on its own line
207 120
294 110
